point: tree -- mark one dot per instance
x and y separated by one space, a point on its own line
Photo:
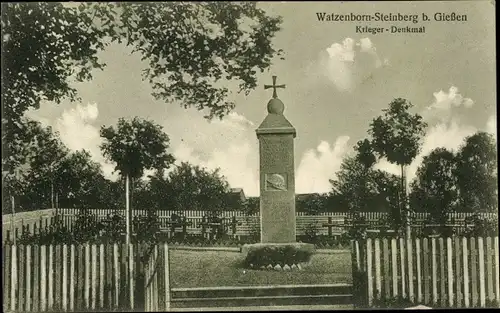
191 187
190 47
143 197
37 155
80 182
44 45
45 164
313 203
435 188
135 146
195 45
396 135
477 174
389 196
361 189
365 153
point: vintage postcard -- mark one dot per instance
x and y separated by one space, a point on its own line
208 156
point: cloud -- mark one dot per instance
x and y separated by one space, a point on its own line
442 108
343 62
447 132
491 125
77 132
319 165
229 144
443 135
445 101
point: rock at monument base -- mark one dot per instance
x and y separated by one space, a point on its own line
419 307
260 254
277 267
286 267
294 267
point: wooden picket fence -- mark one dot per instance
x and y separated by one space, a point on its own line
437 272
89 277
231 213
29 222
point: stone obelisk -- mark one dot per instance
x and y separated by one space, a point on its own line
277 173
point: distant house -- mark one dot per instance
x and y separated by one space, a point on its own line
236 199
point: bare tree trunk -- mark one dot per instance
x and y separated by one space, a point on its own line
52 194
127 210
13 204
404 204
131 194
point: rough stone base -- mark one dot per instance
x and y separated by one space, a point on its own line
255 251
277 267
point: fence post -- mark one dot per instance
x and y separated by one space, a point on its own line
482 291
418 274
72 278
93 277
402 255
101 276
378 282
434 272
86 284
449 250
116 267
394 261
474 271
489 269
50 300
358 263
167 276
64 277
458 273
465 269
131 274
409 248
13 278
497 272
369 270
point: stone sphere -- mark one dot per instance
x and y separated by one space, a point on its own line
275 106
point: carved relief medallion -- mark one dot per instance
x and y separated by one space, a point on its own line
276 182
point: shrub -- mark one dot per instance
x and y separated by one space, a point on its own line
86 227
147 228
359 226
311 233
477 226
113 227
433 226
277 254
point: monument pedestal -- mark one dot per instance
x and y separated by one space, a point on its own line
283 255
277 185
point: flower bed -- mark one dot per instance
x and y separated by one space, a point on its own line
265 254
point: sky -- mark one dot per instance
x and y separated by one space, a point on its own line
337 81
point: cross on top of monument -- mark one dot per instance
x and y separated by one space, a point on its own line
274 86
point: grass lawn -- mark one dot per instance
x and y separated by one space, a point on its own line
223 268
